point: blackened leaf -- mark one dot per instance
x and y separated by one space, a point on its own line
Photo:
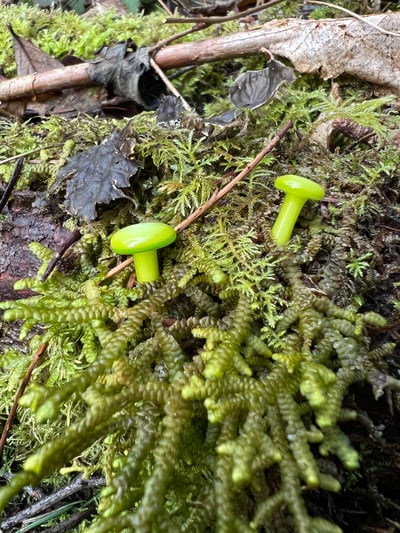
118 51
226 118
96 177
169 111
130 76
255 88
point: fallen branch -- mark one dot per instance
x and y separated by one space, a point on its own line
48 502
329 47
46 82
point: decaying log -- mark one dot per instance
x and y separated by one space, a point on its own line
329 47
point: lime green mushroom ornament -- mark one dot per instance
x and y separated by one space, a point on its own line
142 241
298 190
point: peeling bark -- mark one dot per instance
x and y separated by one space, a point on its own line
329 47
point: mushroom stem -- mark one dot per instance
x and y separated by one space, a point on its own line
146 266
298 190
283 227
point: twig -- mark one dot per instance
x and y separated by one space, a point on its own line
42 505
165 7
39 352
72 239
207 21
33 151
219 194
12 183
169 85
216 196
354 15
197 27
117 269
72 521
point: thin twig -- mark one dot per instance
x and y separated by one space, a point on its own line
72 521
216 196
49 501
354 15
219 194
208 21
169 85
72 239
12 183
117 269
39 352
29 152
156 47
165 7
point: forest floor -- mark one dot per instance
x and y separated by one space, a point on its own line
345 133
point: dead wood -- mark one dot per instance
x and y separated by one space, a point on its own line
329 47
45 82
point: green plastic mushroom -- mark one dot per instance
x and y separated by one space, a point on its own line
298 190
142 241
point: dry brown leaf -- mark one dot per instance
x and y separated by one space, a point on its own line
29 58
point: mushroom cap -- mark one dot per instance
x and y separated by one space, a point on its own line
142 237
299 186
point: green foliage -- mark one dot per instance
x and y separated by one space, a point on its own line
57 32
207 420
358 265
364 113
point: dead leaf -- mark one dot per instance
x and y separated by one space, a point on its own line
169 112
97 176
251 90
128 73
327 129
29 58
254 88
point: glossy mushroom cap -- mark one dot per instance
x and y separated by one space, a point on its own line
298 190
299 186
142 238
142 242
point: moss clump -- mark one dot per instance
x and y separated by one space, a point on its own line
194 402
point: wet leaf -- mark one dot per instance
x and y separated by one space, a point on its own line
125 70
169 112
97 176
255 88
